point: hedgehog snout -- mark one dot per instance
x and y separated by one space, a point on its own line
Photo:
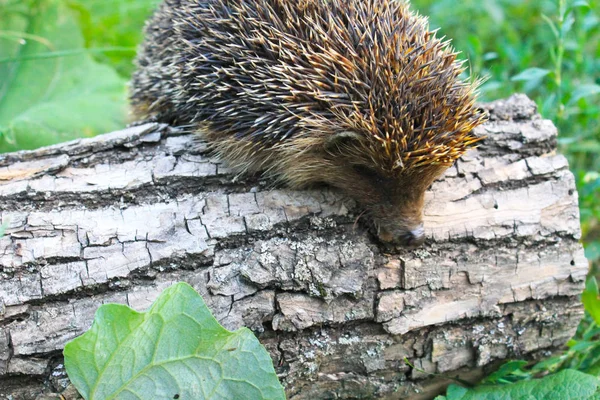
415 237
398 220
411 237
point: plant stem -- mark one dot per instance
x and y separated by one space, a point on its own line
560 52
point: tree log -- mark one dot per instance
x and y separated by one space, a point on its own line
120 217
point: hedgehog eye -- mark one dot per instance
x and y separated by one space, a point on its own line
340 139
366 171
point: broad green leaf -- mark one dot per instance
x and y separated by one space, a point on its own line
531 74
58 97
565 385
174 350
456 392
591 300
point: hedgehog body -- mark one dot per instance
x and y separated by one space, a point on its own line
357 94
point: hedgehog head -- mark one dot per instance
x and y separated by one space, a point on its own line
390 190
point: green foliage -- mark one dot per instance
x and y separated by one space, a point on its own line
174 350
507 372
590 299
114 24
565 385
51 90
589 204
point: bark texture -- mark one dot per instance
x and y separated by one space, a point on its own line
122 216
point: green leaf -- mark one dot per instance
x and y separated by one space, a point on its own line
531 74
582 345
547 365
593 331
52 99
565 385
590 299
552 25
583 91
593 370
175 348
456 392
580 3
509 368
567 23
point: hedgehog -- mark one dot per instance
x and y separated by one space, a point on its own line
357 94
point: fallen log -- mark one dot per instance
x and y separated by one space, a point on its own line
120 217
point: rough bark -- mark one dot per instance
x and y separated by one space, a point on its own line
122 216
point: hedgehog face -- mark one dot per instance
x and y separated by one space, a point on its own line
393 199
393 202
397 213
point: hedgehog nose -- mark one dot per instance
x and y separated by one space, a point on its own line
416 237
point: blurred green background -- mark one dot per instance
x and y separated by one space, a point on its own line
64 65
